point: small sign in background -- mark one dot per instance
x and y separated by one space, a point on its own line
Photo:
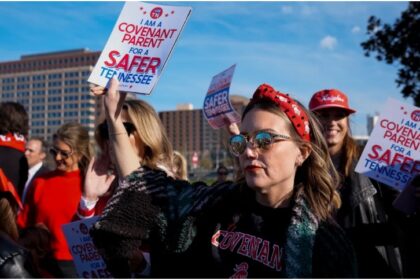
217 108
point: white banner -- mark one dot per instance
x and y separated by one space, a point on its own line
392 154
139 46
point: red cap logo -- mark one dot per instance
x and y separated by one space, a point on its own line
330 98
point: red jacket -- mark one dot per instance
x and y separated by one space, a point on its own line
53 201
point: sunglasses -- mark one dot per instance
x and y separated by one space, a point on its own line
261 140
222 173
103 129
64 154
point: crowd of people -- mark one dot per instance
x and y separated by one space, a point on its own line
295 209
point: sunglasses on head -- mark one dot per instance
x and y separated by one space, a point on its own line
103 128
64 154
261 140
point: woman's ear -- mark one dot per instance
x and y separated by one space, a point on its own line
305 151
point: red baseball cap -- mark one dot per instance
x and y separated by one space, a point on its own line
330 98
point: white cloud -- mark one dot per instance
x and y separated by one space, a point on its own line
355 29
328 42
287 9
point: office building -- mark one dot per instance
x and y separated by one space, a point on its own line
189 133
53 88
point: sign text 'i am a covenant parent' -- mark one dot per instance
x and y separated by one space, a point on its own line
139 46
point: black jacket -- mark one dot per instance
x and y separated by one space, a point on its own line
15 167
15 261
186 227
40 172
364 215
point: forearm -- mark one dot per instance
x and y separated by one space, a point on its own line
125 156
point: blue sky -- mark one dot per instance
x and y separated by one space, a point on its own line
297 47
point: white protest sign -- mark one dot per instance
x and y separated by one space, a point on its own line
139 46
88 262
392 154
217 108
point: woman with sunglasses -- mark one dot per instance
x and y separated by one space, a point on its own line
55 196
151 148
274 222
147 139
366 209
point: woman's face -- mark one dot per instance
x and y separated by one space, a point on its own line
273 170
335 126
66 159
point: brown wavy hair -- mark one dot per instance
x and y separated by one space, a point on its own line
351 152
180 166
13 118
77 137
8 218
317 173
150 130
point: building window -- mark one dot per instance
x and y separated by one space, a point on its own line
23 79
71 106
38 85
54 99
8 80
55 76
54 107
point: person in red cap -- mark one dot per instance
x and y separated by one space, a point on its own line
362 213
274 222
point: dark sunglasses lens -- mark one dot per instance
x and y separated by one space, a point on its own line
237 144
55 152
129 127
103 129
263 140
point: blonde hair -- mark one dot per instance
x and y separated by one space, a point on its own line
149 128
180 166
8 219
317 173
77 137
350 153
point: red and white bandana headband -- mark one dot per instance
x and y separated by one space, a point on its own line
293 110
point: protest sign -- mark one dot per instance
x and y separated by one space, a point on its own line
88 262
217 108
392 154
139 46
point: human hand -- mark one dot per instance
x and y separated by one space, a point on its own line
98 178
233 129
113 99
